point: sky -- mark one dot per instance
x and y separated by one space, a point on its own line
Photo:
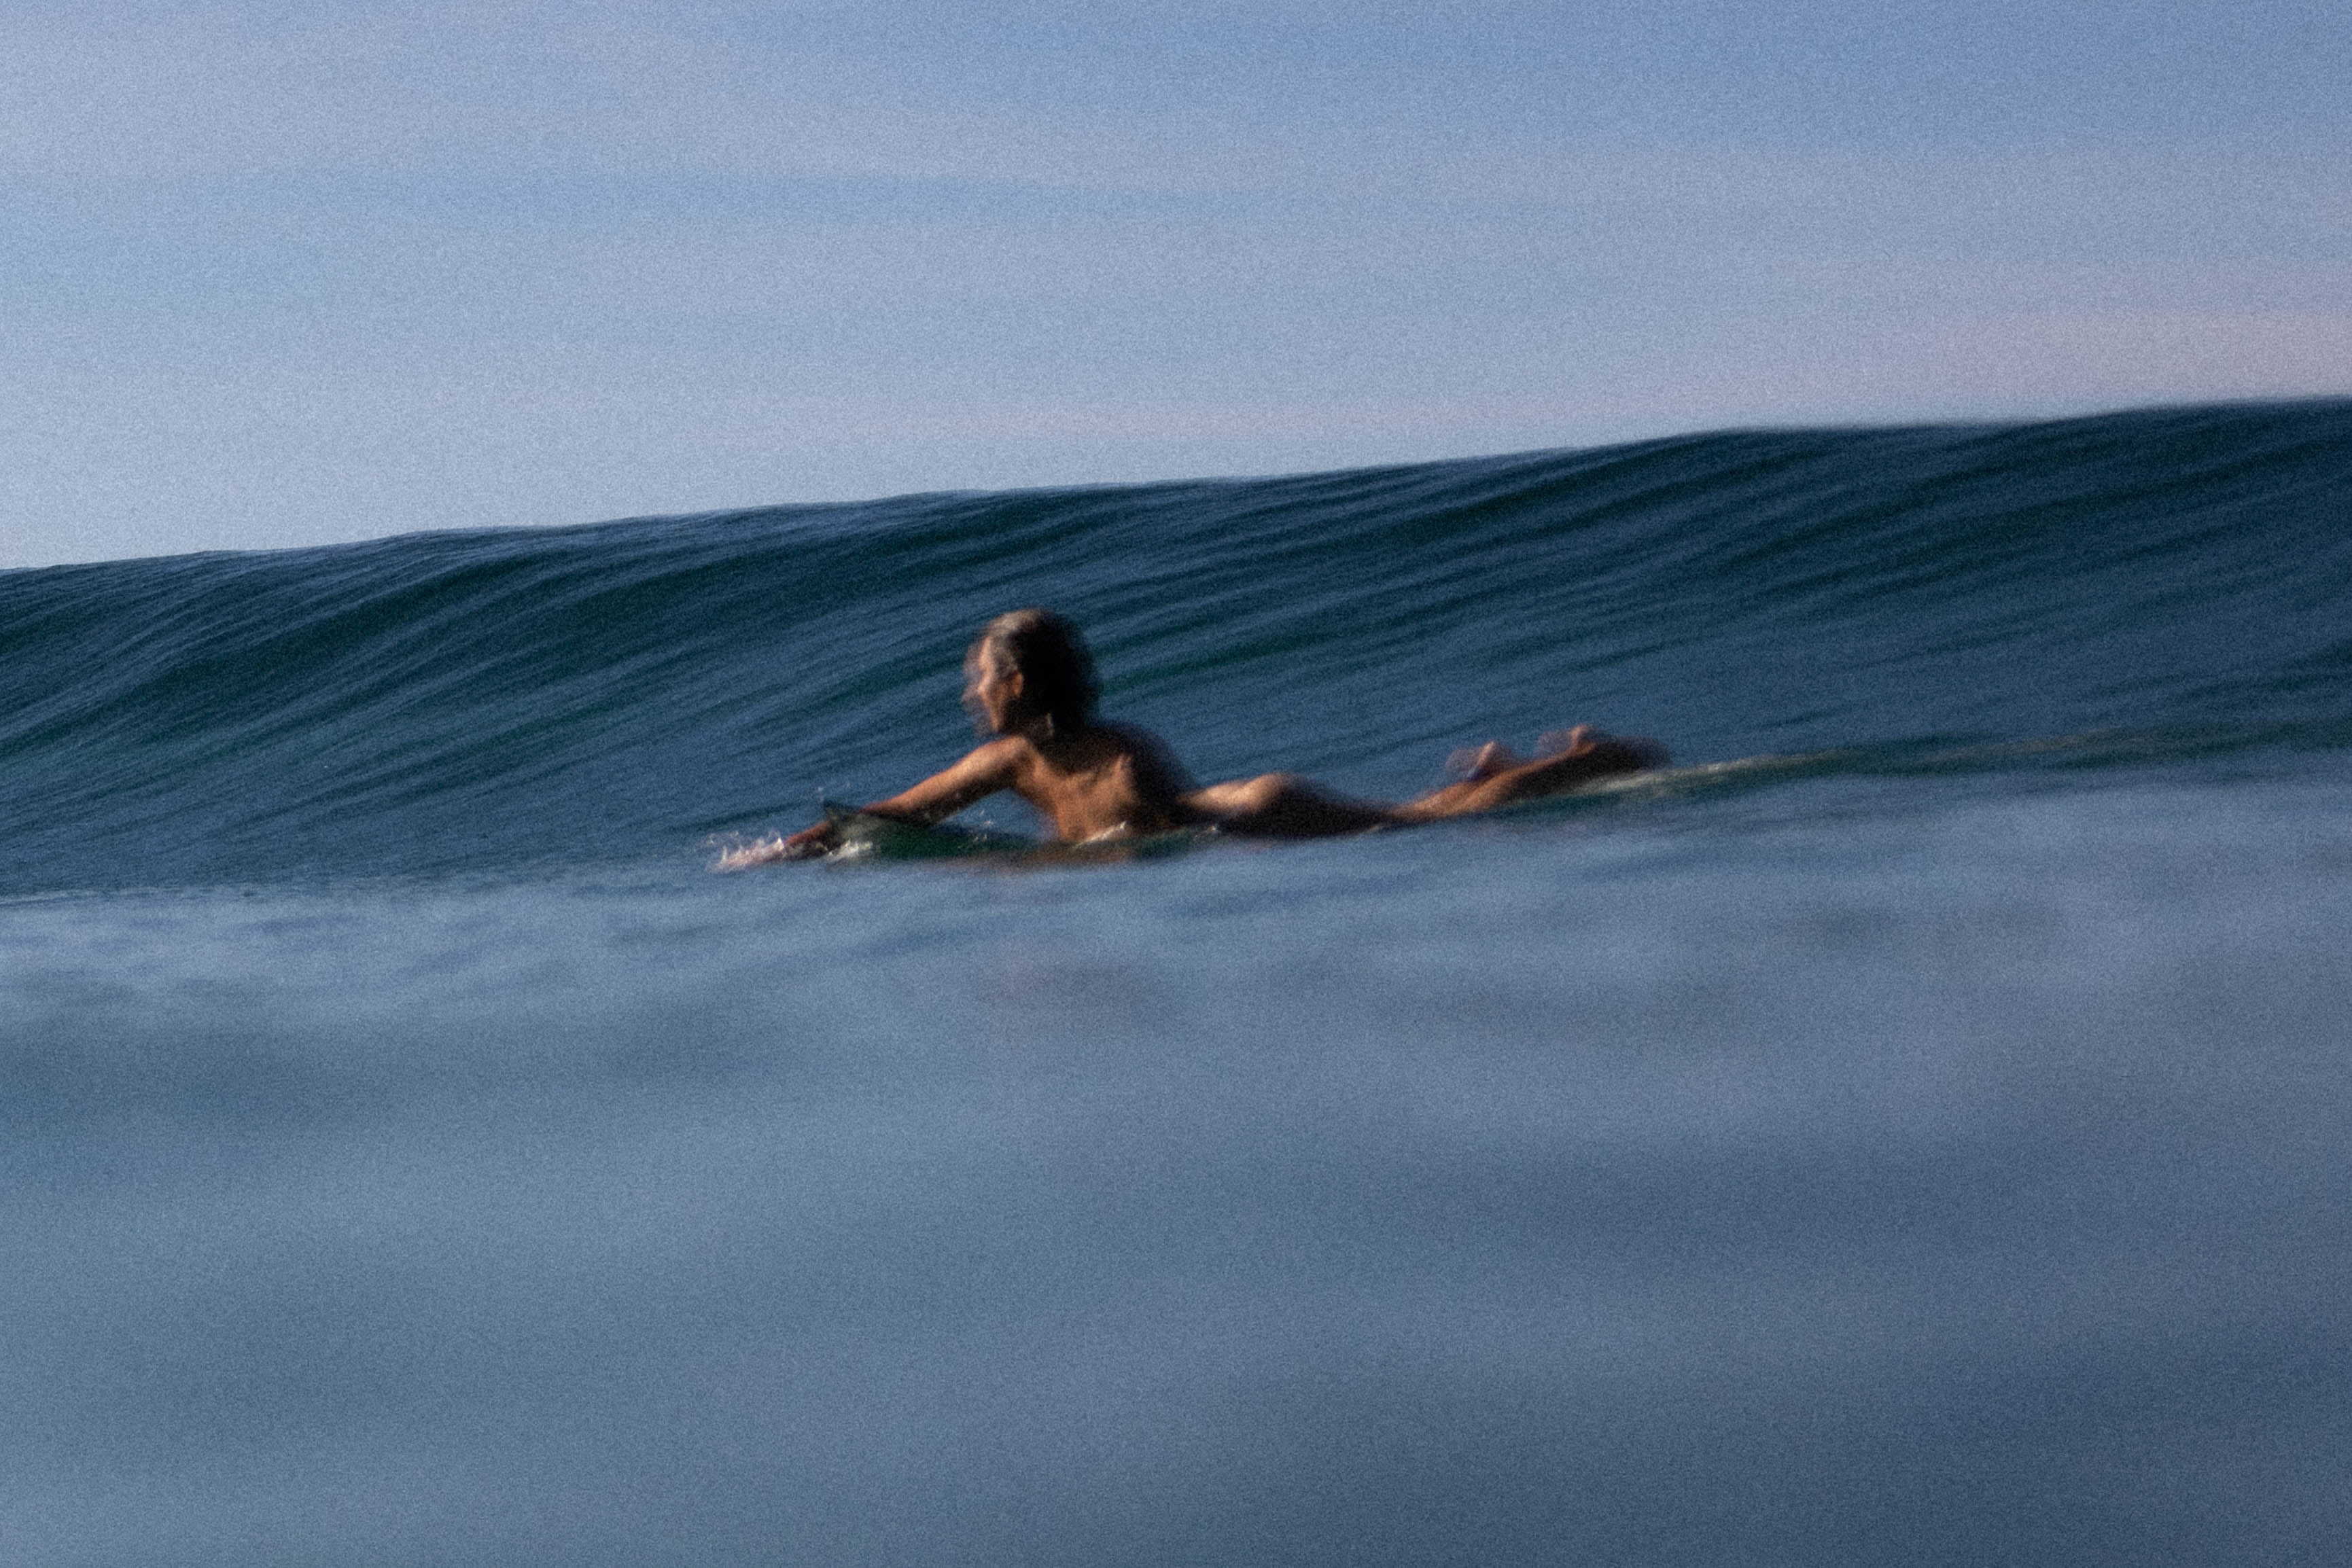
277 275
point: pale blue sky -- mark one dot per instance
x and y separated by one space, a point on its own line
272 275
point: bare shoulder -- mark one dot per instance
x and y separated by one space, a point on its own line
1003 760
1003 751
1156 766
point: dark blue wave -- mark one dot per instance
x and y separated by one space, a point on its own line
2180 579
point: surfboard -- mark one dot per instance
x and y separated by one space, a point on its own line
864 836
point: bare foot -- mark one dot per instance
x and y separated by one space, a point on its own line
1572 758
1473 764
1565 742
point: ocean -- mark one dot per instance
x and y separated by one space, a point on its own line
1914 1128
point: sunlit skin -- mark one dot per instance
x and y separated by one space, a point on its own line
1100 782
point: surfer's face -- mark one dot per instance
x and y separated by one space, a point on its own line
992 691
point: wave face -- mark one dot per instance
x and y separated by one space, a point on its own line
2091 592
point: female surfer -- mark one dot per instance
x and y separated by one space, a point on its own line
1030 683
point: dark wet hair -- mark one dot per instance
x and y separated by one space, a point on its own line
1058 674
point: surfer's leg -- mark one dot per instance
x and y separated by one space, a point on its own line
1498 778
1285 806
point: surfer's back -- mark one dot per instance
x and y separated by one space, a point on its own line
1101 780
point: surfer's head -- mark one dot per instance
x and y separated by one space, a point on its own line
1027 665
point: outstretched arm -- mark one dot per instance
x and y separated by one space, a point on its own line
942 795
